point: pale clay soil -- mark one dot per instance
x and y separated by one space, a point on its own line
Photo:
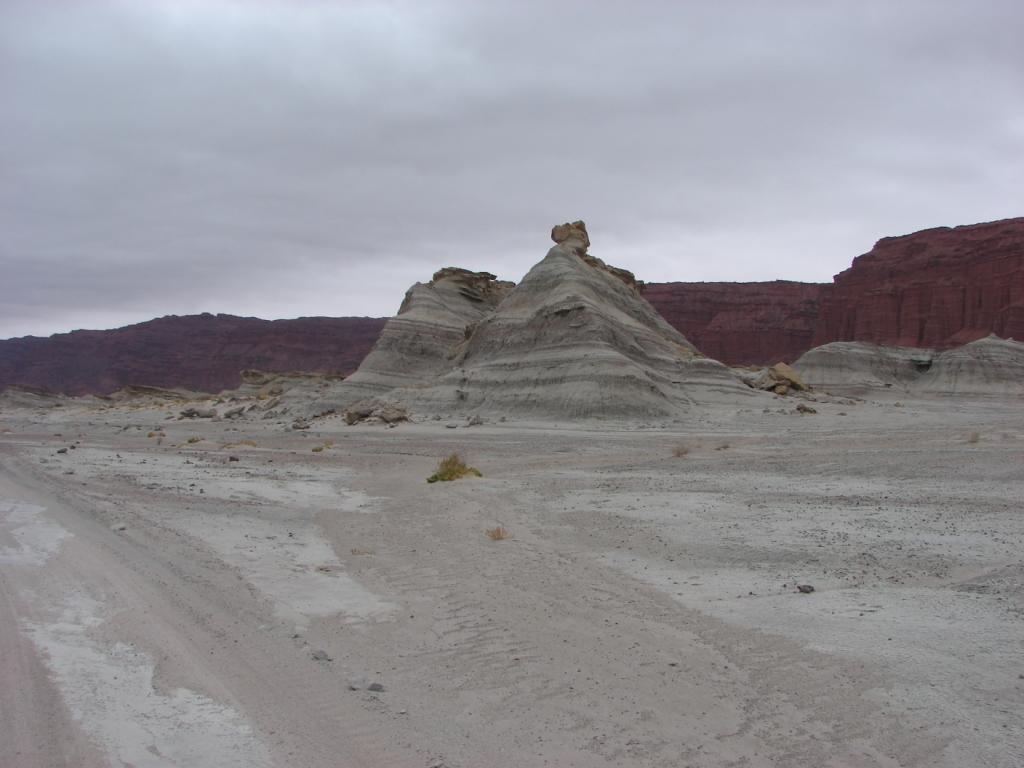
161 605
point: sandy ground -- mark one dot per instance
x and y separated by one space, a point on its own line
164 605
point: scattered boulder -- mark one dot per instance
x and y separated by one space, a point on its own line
391 413
193 412
355 414
387 413
780 379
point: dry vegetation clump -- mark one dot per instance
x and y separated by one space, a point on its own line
239 444
319 448
499 533
680 451
193 440
453 468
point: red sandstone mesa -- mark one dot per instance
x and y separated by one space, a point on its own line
935 288
199 352
741 323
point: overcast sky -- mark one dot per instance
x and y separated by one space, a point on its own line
281 159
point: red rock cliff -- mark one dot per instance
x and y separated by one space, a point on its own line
935 288
741 323
199 352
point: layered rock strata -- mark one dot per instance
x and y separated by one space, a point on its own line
989 366
575 339
423 340
936 288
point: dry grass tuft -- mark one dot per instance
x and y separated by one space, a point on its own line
453 468
973 437
240 443
361 551
317 448
680 451
498 534
193 440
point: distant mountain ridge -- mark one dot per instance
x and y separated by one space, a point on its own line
197 352
938 288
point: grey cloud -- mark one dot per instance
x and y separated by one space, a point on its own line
280 159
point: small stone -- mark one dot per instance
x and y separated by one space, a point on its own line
320 656
375 687
451 426
805 589
62 450
232 458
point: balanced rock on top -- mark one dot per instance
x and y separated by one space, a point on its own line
572 235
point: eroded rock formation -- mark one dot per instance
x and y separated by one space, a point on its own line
573 340
988 366
856 364
423 340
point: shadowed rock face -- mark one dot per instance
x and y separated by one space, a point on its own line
989 366
936 288
195 352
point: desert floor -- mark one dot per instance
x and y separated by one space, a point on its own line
162 604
